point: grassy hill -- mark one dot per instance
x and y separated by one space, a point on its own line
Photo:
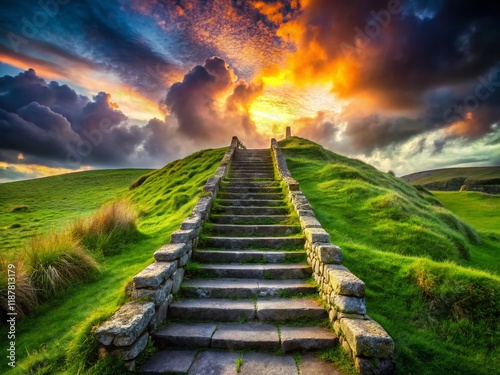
51 340
430 276
423 278
38 205
454 178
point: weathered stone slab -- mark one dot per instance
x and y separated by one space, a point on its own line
221 288
293 185
306 338
170 252
309 222
278 309
157 295
212 184
328 253
349 305
202 207
161 313
183 260
367 338
314 235
220 172
212 309
194 335
191 222
311 365
177 280
344 282
246 337
154 274
132 351
368 366
266 363
215 362
126 324
169 362
183 235
305 213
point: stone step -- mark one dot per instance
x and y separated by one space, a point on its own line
248 256
232 179
253 230
253 242
223 362
245 288
255 159
232 183
251 202
252 167
247 219
244 336
245 163
253 271
251 176
229 310
251 189
256 196
252 210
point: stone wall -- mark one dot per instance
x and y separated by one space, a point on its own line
488 189
341 291
127 332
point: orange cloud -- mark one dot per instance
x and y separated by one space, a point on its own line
273 11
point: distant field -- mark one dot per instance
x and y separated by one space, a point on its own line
483 212
438 175
480 210
48 203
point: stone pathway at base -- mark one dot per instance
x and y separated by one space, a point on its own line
214 362
247 298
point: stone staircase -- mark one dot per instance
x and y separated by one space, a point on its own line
247 305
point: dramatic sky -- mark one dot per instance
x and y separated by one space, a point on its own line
404 85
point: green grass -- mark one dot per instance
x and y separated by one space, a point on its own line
32 206
418 260
478 209
47 338
483 212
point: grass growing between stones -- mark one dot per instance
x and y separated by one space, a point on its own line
46 339
340 358
420 262
239 362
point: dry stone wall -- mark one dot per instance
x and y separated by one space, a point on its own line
126 333
341 291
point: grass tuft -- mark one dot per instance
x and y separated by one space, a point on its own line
108 229
56 260
25 292
239 362
456 294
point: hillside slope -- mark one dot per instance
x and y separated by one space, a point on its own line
405 246
52 341
41 204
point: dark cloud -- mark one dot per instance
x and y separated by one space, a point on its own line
49 122
194 103
318 129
